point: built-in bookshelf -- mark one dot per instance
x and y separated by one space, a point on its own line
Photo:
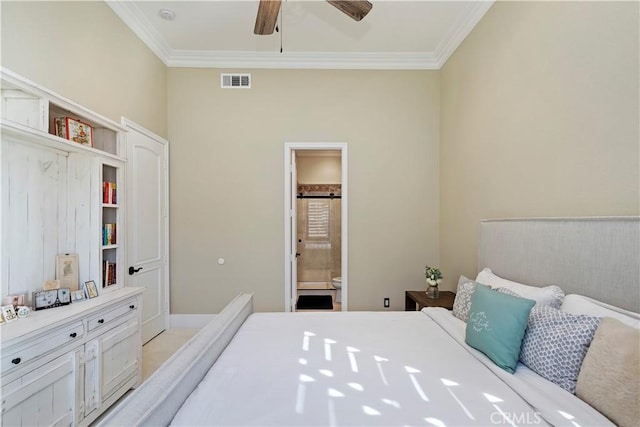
110 237
56 157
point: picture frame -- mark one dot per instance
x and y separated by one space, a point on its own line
14 300
9 313
77 296
79 132
91 290
67 271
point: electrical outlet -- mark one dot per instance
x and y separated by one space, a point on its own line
386 303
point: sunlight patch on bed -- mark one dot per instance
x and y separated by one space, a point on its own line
415 383
332 392
302 388
435 422
302 361
356 386
326 372
378 360
370 411
352 358
569 417
449 384
332 414
505 416
491 398
327 348
393 403
305 340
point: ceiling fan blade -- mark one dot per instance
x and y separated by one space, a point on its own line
267 17
355 9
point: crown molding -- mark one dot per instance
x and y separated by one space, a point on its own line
135 20
133 17
461 30
304 60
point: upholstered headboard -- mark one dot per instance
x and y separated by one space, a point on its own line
597 257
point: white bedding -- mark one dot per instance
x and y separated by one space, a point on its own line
360 368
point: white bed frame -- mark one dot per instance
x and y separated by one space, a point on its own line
596 257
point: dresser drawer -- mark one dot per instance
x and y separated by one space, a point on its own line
19 355
111 316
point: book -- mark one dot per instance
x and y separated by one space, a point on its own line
60 127
108 273
109 234
109 193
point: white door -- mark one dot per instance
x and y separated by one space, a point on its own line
293 221
147 225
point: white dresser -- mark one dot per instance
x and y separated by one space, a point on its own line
67 365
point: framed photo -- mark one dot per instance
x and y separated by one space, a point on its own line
67 271
79 132
91 289
9 313
14 300
77 296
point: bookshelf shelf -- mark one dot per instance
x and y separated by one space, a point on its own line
109 247
110 205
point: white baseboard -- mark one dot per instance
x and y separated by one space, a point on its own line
190 320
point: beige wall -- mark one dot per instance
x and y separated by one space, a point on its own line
539 117
318 169
227 180
83 51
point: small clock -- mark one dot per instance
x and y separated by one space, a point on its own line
51 298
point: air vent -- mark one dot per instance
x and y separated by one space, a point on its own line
235 81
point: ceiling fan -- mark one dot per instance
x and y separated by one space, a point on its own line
268 12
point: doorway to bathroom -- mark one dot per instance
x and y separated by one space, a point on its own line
316 226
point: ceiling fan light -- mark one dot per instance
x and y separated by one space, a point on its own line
166 14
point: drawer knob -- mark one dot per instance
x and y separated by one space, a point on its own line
101 321
132 306
16 360
73 335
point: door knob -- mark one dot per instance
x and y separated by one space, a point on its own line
134 270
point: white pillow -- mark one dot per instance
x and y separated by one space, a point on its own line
579 304
549 295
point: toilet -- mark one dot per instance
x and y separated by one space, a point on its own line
337 283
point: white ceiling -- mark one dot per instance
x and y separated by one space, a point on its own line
314 34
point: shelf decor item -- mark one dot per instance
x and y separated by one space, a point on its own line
9 313
79 132
434 278
67 271
91 290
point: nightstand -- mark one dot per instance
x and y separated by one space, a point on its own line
417 300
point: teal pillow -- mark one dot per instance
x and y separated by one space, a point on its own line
496 325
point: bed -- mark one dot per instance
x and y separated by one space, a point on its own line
392 368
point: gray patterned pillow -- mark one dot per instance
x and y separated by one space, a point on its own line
462 302
556 342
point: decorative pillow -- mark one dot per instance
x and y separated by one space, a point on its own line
579 304
555 344
549 295
496 325
508 292
608 379
462 302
